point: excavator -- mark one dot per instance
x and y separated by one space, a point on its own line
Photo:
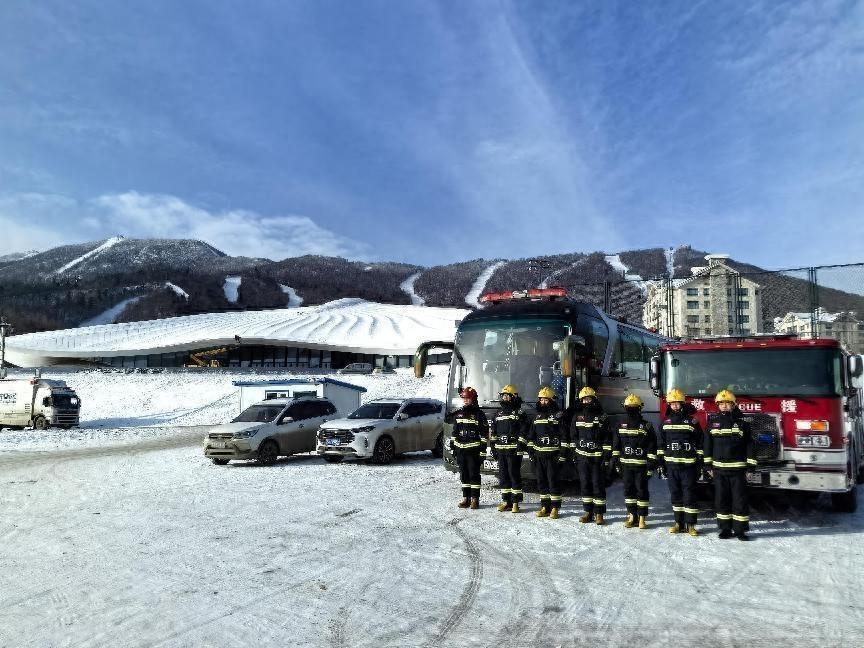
199 358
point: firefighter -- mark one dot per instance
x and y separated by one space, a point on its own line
592 447
634 450
680 459
508 443
729 454
470 430
545 442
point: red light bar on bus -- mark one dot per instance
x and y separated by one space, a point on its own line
531 293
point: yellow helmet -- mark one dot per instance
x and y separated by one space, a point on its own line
675 395
724 396
587 392
633 400
509 389
546 392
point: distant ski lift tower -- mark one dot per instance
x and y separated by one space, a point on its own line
5 329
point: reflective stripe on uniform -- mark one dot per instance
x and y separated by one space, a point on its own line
727 432
629 500
637 462
507 417
468 421
677 426
741 518
598 501
546 448
729 464
678 509
694 511
752 462
546 420
643 503
472 444
681 460
588 454
724 516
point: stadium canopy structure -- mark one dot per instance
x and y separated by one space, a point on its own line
331 335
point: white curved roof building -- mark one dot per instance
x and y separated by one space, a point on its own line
330 335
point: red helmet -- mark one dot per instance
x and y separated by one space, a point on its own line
469 393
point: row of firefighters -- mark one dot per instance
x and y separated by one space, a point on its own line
680 453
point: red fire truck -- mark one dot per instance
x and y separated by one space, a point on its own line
802 397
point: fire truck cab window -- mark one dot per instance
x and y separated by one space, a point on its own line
632 356
596 339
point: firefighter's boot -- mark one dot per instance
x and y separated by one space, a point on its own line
553 514
475 503
504 506
725 534
465 503
630 522
675 528
542 512
691 529
643 521
515 508
588 517
598 518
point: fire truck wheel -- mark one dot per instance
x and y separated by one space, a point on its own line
845 502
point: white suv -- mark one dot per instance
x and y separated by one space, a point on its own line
269 430
383 428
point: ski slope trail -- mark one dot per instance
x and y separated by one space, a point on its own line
407 287
294 299
110 315
670 261
615 261
473 296
109 243
177 290
558 273
231 288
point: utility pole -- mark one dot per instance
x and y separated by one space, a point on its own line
5 329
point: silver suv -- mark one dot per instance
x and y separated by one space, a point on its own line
270 429
383 428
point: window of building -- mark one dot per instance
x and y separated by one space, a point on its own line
744 319
692 319
692 305
730 319
745 331
744 304
707 319
828 327
706 304
705 292
729 305
692 292
731 331
707 331
743 292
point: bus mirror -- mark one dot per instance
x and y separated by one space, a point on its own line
856 366
421 356
654 374
571 354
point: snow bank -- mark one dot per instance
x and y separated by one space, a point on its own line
477 289
407 287
231 288
177 290
109 243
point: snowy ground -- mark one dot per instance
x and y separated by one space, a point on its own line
111 538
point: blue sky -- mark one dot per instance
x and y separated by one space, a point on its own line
434 132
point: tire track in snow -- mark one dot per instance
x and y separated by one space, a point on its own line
469 594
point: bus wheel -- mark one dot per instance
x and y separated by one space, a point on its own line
845 502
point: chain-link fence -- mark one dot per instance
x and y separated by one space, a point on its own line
821 301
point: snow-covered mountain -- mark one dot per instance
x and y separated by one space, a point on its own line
72 284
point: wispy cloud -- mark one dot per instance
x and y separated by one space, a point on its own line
139 215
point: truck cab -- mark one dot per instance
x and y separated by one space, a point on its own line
39 403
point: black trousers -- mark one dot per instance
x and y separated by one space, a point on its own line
510 476
592 484
635 480
731 499
548 467
469 472
682 491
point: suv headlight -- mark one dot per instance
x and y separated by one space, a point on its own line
245 434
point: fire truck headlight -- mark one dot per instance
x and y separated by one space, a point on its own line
821 440
803 441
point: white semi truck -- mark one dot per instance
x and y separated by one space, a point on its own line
39 403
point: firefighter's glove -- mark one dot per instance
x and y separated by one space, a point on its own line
452 446
661 470
707 474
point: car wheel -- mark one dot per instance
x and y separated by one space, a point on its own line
268 453
333 458
220 462
384 451
40 423
438 450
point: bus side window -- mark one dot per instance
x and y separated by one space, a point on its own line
597 335
633 361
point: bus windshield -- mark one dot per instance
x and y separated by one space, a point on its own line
522 352
755 372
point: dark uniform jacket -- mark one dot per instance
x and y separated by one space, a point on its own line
634 443
509 428
470 429
590 437
728 441
546 433
681 437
